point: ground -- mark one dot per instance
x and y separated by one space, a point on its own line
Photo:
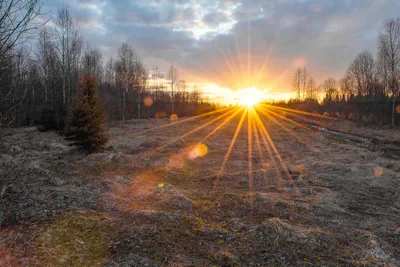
155 197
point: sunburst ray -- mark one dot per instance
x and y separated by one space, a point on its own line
267 179
238 54
269 142
220 126
278 78
196 129
249 70
228 153
227 61
259 126
287 130
264 64
286 119
277 154
178 122
250 160
299 112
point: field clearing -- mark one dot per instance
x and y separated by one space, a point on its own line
154 197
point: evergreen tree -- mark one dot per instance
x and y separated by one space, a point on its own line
88 116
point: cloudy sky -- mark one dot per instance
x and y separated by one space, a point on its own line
236 44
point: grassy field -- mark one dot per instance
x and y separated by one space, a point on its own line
187 193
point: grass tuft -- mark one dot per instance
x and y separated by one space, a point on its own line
73 240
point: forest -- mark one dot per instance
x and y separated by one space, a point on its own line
40 67
369 91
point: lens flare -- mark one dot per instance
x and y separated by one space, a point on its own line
148 101
173 117
378 171
176 162
198 151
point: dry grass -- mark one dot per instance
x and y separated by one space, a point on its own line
72 240
163 209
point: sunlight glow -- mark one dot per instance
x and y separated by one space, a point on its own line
261 119
250 97
249 101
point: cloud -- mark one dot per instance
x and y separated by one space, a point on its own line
211 40
216 18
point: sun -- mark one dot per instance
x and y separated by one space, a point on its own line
249 101
249 97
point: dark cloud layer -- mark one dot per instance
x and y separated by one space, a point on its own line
209 40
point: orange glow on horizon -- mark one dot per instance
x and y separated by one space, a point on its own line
227 96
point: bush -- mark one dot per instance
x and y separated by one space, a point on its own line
48 120
86 127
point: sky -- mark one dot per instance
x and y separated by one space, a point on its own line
226 45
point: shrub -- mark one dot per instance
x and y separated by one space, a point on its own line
47 120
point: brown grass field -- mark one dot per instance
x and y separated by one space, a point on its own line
240 187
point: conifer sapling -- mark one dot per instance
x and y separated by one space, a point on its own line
88 116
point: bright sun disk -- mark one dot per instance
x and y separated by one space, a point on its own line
249 97
248 101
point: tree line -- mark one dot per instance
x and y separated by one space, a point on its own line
369 91
38 85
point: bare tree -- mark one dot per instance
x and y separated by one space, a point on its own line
346 86
17 22
50 78
44 56
312 90
301 81
362 74
140 82
14 90
383 73
109 92
389 58
131 75
92 62
68 50
42 89
154 78
125 70
297 82
304 80
173 76
329 86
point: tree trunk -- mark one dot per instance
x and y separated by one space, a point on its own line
138 105
123 106
173 100
393 110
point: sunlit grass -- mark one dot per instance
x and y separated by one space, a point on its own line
73 240
257 136
228 153
256 116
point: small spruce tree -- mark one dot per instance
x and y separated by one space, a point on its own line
88 116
